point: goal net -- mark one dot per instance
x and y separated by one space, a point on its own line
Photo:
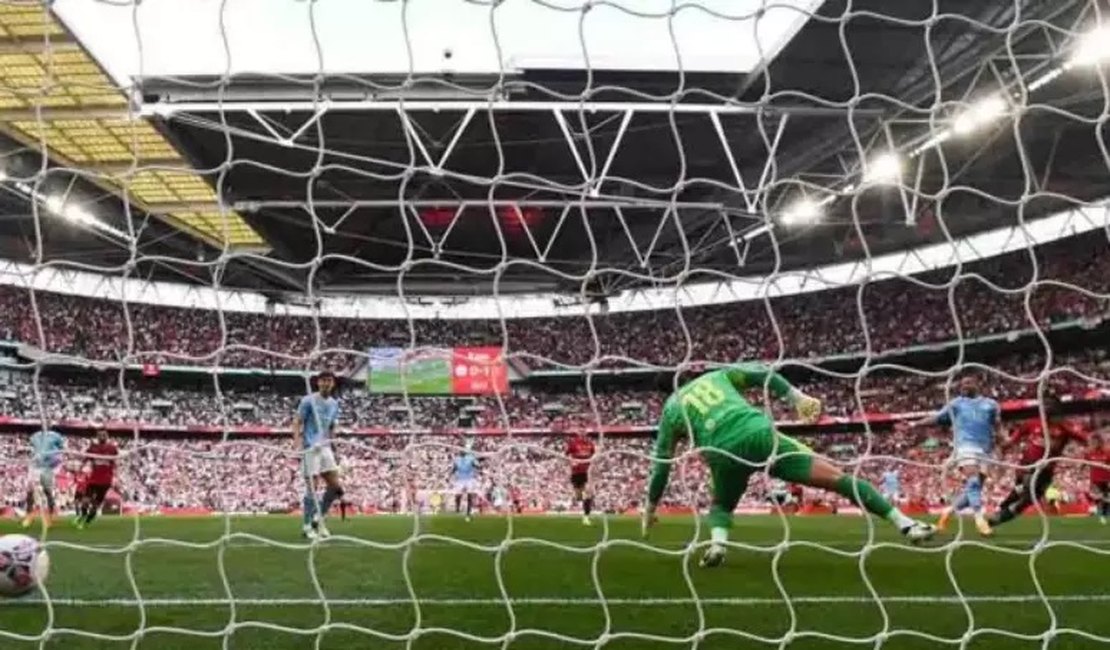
505 232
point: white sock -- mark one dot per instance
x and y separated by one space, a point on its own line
719 536
899 519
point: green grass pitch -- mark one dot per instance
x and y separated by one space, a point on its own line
255 582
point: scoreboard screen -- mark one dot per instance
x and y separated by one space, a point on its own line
451 371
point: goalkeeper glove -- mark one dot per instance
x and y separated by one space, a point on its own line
808 408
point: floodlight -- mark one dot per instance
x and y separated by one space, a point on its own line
980 114
804 210
1093 48
884 168
78 214
55 204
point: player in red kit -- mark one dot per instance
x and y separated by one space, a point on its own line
102 454
1098 454
1032 479
80 492
580 450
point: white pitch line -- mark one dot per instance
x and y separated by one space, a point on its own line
553 601
339 543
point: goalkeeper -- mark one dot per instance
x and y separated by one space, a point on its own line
736 439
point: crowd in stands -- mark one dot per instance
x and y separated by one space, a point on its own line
1002 294
158 403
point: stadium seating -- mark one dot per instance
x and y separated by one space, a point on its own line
189 470
897 312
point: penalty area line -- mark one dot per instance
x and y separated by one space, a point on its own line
552 601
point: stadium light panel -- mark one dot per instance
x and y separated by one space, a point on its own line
804 210
980 114
884 168
1093 48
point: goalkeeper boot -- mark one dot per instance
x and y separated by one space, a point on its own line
713 557
586 520
309 533
27 521
919 532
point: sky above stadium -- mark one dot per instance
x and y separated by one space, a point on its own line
214 37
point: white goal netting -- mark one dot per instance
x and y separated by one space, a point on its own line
510 227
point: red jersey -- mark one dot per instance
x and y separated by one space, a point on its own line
80 482
581 450
1059 434
1100 455
103 468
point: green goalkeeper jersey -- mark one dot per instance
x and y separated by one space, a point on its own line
714 409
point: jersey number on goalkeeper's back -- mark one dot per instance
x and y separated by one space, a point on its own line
702 395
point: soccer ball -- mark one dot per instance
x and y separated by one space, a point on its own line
24 565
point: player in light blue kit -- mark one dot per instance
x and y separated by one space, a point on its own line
47 450
975 421
313 427
465 471
890 485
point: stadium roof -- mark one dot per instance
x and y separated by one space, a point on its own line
538 175
54 97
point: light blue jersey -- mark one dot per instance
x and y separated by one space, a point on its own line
890 482
973 421
318 417
465 467
47 448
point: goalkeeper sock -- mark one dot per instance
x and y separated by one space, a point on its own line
30 501
587 506
1006 514
309 504
718 535
469 504
458 502
50 503
864 495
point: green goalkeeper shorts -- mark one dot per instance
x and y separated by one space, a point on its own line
750 446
